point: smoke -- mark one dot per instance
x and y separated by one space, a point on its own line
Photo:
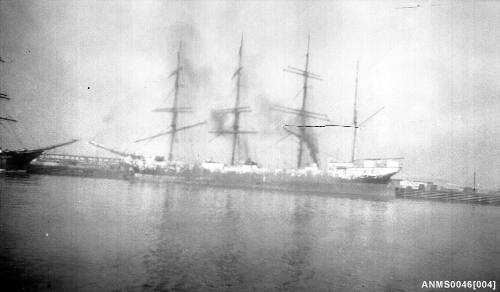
312 144
273 121
244 146
195 79
218 120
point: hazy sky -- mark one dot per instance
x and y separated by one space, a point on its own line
95 69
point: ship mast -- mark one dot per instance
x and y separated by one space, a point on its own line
474 183
173 122
236 110
236 123
6 97
303 113
175 110
5 118
304 104
355 115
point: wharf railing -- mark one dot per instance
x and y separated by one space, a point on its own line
67 159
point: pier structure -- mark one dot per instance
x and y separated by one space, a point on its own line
71 159
79 165
467 195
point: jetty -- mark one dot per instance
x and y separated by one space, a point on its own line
467 195
79 165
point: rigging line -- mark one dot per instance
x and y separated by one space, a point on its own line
283 138
319 126
297 94
217 136
140 148
367 119
147 142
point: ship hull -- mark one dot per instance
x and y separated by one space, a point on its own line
379 179
362 187
17 160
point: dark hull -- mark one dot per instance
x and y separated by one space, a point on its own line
382 179
369 188
17 160
70 170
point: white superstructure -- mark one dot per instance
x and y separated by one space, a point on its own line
364 168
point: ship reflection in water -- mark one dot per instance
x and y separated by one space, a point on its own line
81 234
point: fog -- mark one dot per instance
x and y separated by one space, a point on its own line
95 70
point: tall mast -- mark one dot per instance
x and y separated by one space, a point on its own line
355 115
236 123
175 110
173 122
303 109
235 131
474 183
303 113
5 96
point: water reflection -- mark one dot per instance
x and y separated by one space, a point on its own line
164 258
203 250
297 256
69 234
11 179
230 259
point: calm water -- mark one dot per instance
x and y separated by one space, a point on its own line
79 234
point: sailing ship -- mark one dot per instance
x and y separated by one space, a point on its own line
356 177
19 160
368 170
372 170
158 165
235 132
